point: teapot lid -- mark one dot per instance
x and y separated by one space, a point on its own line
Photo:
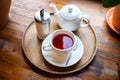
70 12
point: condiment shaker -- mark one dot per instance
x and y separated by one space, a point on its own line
42 22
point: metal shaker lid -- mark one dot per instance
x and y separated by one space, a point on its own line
42 16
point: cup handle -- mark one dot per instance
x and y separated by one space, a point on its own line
84 21
47 48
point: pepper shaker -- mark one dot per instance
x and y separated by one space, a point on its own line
42 22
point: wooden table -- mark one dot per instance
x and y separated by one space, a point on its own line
15 66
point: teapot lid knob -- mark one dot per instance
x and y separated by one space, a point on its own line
70 10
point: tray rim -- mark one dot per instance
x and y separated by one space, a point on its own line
56 72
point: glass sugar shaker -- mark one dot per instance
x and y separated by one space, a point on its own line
42 22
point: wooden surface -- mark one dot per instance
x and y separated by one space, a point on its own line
15 66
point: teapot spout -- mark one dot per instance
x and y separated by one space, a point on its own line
55 10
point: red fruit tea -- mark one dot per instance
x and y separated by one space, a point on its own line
62 41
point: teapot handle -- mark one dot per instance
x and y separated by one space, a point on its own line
84 21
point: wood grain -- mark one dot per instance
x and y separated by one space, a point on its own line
15 66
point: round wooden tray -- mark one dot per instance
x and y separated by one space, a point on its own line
32 48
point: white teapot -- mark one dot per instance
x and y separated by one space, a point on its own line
70 17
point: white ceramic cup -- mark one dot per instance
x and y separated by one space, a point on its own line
61 55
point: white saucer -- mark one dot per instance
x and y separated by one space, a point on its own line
75 56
